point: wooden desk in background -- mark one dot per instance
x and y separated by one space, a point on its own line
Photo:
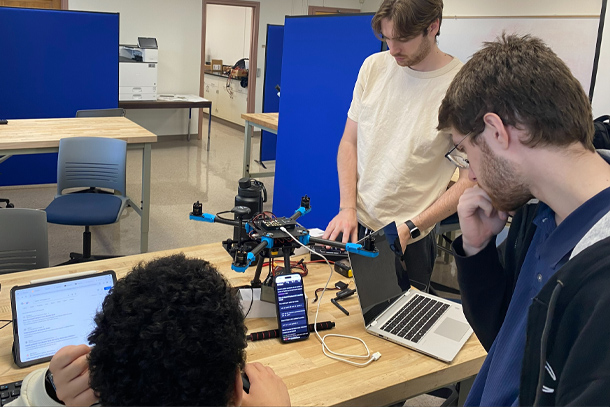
311 377
268 122
37 136
175 102
263 121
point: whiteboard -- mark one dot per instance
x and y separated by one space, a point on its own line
573 39
601 96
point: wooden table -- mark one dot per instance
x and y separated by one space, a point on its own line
311 377
37 136
264 121
174 103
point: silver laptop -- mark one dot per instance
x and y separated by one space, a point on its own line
419 321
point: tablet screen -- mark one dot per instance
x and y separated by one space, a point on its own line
48 316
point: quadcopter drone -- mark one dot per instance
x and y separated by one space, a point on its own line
266 236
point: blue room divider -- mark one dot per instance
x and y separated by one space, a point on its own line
321 59
54 63
273 76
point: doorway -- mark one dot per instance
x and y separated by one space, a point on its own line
42 4
254 7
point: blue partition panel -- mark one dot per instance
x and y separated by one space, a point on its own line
321 59
273 76
54 63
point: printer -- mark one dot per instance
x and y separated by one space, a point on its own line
145 51
138 70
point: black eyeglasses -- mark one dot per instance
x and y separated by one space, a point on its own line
457 159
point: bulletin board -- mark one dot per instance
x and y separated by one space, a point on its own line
58 62
321 59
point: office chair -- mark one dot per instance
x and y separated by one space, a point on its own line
444 231
92 163
118 112
7 203
23 240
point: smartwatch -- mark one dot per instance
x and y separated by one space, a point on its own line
49 385
414 230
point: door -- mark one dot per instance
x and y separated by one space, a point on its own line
46 4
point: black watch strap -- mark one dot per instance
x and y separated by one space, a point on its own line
49 385
414 230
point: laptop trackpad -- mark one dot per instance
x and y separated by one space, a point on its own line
452 329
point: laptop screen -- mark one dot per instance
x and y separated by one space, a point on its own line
48 316
377 279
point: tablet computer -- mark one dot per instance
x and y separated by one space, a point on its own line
52 314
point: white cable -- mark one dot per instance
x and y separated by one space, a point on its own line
325 349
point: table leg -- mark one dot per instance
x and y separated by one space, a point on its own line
247 146
188 135
465 386
209 125
145 218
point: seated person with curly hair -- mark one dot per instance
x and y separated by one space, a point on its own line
169 333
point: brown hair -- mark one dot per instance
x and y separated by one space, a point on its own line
525 83
410 17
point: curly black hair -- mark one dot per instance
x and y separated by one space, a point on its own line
170 333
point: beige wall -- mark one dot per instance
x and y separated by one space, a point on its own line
509 8
229 42
177 26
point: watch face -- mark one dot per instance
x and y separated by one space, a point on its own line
49 378
413 230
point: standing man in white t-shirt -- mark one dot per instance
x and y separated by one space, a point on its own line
391 161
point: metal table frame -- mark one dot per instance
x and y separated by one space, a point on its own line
250 121
170 104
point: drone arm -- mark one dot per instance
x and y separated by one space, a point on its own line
326 242
300 212
243 260
264 243
350 247
208 217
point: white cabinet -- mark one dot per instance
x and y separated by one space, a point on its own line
227 106
210 92
239 103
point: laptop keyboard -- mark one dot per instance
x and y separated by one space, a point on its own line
415 318
9 392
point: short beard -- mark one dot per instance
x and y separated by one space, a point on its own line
501 181
422 52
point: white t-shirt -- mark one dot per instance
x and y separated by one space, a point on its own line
401 165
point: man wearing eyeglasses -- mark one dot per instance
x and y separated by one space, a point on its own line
541 310
390 160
